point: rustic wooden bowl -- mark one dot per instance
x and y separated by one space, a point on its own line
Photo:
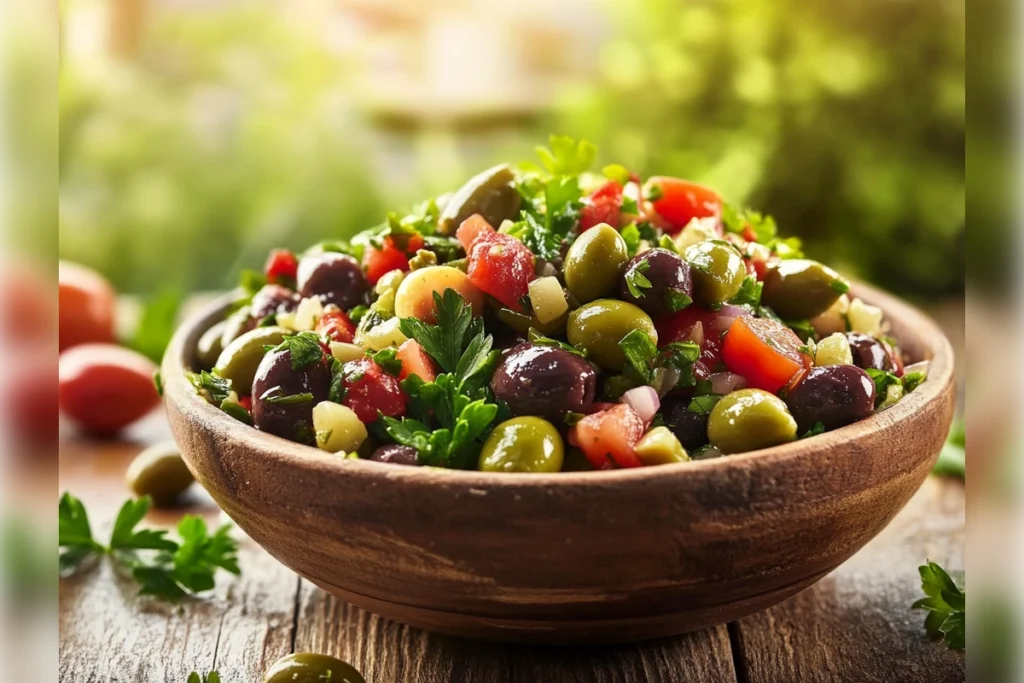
575 557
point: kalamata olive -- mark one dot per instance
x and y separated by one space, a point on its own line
336 278
690 428
270 300
546 381
279 404
396 454
671 284
834 395
868 352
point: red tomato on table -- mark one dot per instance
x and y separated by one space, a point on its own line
86 303
104 388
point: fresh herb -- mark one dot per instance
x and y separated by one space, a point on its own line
676 299
444 249
268 320
288 399
236 410
702 405
565 156
446 340
212 677
629 207
680 355
803 329
841 286
305 348
357 313
372 318
631 236
388 360
665 242
616 172
156 325
336 394
818 428
653 192
946 604
252 281
883 380
538 338
211 386
158 382
738 221
571 419
640 354
163 567
912 380
636 280
952 460
643 358
749 294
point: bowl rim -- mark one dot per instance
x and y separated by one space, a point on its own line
178 390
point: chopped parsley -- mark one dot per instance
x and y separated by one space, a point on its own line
883 380
818 428
288 399
665 242
912 380
336 394
946 604
676 299
749 294
643 358
640 353
702 405
305 347
538 338
636 280
841 286
211 386
653 192
388 360
629 206
616 172
158 382
631 236
236 410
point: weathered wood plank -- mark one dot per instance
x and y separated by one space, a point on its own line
856 624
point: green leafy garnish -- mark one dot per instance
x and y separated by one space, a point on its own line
337 391
737 221
643 358
665 242
538 338
631 236
158 382
883 380
163 567
676 299
653 192
156 325
212 677
818 428
565 156
803 328
305 348
211 386
640 353
702 405
455 327
912 380
252 281
749 294
946 603
841 286
288 399
629 207
636 280
357 313
616 172
388 360
236 410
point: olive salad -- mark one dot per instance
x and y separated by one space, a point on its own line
553 319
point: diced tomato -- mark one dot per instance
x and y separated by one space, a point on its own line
471 228
391 256
281 267
681 327
764 351
682 200
369 389
604 205
501 266
336 324
611 433
415 361
245 402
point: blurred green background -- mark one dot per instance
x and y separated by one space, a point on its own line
195 135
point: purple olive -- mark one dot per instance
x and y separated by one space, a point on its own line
671 284
834 395
545 381
396 454
270 300
690 428
868 352
274 410
336 278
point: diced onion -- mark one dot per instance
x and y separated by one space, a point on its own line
547 299
725 317
723 383
644 400
697 334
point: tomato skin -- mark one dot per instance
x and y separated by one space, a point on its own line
368 389
104 388
473 227
391 256
337 325
501 266
86 301
764 351
679 326
682 200
604 205
245 402
613 432
415 361
281 268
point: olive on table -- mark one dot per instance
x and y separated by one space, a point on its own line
869 353
718 271
749 419
523 444
600 325
594 263
239 360
283 397
209 346
801 288
160 473
670 287
335 278
310 667
547 381
396 454
834 395
491 193
689 427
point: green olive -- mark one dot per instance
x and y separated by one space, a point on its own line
749 419
234 326
160 473
660 447
209 346
600 325
801 288
309 667
522 323
239 359
492 194
718 271
523 444
595 262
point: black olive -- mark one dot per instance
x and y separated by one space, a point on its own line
671 282
868 352
834 395
271 300
396 454
545 381
273 411
336 278
690 428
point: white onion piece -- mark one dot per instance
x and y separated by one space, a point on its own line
697 334
644 400
723 383
725 317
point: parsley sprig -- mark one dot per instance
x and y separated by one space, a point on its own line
946 604
643 358
166 568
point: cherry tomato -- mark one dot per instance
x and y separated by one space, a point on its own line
501 266
611 433
104 388
764 351
86 303
369 389
336 324
682 200
604 205
28 311
30 396
391 256
472 228
415 361
281 267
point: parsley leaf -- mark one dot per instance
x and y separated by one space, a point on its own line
337 391
445 340
702 405
636 280
737 221
631 236
946 604
252 281
287 399
565 156
912 380
236 410
818 428
125 537
749 294
74 534
212 387
305 348
640 353
158 382
841 286
676 299
388 360
629 207
882 380
538 338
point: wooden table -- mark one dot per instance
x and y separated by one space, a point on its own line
854 625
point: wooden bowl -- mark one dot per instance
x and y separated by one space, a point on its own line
575 557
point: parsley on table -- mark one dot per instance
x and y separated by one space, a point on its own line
195 677
305 347
636 280
946 603
163 567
